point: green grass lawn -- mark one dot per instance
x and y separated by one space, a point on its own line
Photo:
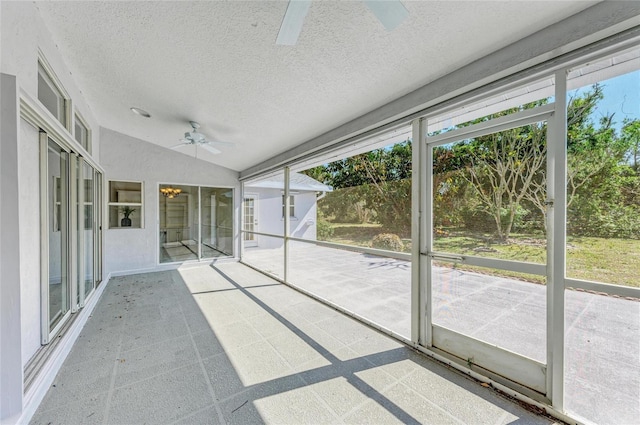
355 234
614 261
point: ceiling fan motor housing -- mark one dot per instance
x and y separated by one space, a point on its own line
194 136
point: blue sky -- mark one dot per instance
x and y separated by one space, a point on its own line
621 96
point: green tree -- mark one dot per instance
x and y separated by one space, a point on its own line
372 185
631 136
498 182
503 167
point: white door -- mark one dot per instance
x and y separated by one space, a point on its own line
488 311
250 209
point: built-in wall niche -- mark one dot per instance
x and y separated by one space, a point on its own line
125 205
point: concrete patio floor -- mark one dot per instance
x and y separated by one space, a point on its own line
602 348
226 344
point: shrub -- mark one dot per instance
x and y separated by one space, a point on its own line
387 241
324 230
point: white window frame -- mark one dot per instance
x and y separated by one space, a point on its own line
78 119
55 84
292 205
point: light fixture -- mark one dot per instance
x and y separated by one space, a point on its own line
170 192
140 112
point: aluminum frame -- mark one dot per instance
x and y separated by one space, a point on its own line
445 338
45 209
77 217
556 241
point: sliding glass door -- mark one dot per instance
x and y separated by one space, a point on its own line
71 231
88 229
56 287
195 223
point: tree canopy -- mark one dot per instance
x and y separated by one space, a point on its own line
497 183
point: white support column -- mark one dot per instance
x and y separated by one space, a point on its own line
241 224
200 223
421 293
426 235
556 231
11 372
287 222
416 218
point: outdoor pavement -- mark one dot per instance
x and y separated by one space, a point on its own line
226 344
602 353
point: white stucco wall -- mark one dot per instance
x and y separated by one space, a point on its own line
306 217
270 220
11 376
130 159
28 186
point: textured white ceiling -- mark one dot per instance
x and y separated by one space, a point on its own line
217 63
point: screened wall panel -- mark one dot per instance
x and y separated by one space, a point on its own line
375 287
603 172
602 375
269 260
526 248
602 312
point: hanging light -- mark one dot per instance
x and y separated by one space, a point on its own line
170 192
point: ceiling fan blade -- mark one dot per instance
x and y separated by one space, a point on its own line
390 13
292 22
209 148
181 145
219 142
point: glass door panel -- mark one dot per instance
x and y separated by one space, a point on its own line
208 228
87 227
223 220
58 225
177 239
217 222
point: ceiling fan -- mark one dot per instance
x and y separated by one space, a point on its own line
199 140
390 13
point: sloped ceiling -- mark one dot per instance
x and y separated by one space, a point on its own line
217 63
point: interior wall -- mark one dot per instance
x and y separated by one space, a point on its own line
127 158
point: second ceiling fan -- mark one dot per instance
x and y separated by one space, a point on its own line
199 139
390 13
